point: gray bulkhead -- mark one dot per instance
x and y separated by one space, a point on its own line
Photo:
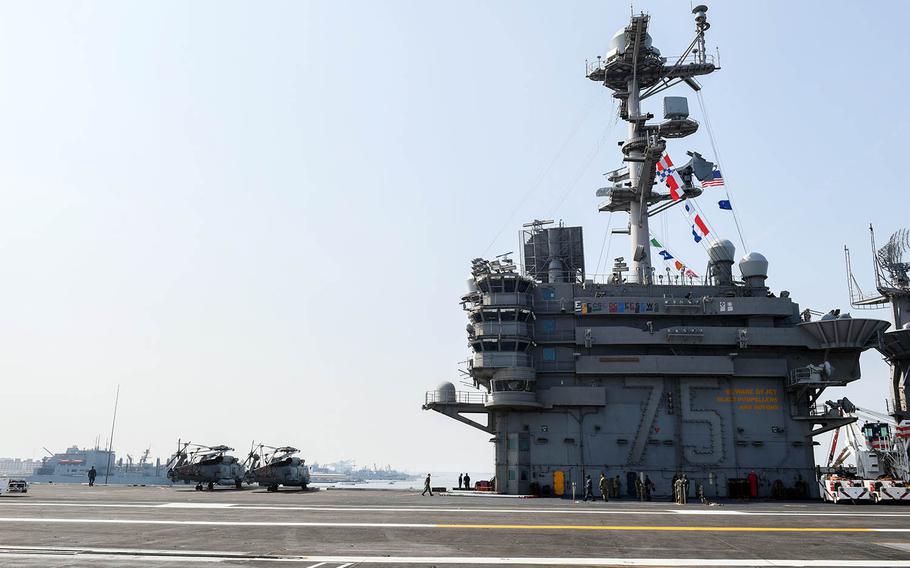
687 379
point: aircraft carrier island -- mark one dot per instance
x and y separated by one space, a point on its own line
650 372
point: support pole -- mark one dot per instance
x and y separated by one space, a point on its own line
110 443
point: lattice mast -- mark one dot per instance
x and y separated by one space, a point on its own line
892 282
634 70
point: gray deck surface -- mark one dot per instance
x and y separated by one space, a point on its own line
173 526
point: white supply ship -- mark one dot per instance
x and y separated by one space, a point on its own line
73 465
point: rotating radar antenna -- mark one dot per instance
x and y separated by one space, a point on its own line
891 269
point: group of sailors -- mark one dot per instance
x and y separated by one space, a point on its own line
464 481
680 486
611 487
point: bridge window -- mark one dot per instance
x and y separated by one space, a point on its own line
505 385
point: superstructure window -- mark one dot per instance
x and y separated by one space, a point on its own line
548 353
507 385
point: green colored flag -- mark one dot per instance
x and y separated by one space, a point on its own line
657 244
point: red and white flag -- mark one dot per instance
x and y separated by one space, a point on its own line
667 174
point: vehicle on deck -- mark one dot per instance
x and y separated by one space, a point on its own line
888 490
208 466
835 489
279 466
880 450
17 486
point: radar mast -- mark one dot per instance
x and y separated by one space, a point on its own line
635 70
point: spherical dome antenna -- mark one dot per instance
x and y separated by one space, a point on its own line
753 264
619 43
445 392
722 251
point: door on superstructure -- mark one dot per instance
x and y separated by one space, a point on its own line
630 484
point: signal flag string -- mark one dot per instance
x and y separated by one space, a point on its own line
607 236
546 171
726 203
581 172
666 255
694 215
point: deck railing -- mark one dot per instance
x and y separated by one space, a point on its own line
458 397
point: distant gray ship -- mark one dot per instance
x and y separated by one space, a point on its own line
73 465
345 472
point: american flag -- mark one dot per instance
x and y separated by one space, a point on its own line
716 181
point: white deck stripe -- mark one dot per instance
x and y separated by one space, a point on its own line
316 508
467 526
96 521
88 556
217 557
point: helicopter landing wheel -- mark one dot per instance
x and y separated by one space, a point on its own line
211 485
238 484
273 488
198 487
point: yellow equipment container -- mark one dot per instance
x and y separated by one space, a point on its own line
559 483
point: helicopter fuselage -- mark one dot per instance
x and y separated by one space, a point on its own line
287 471
220 470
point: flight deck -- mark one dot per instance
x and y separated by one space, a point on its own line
76 525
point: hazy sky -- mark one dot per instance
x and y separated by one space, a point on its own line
257 218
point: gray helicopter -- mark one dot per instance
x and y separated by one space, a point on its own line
206 465
279 466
